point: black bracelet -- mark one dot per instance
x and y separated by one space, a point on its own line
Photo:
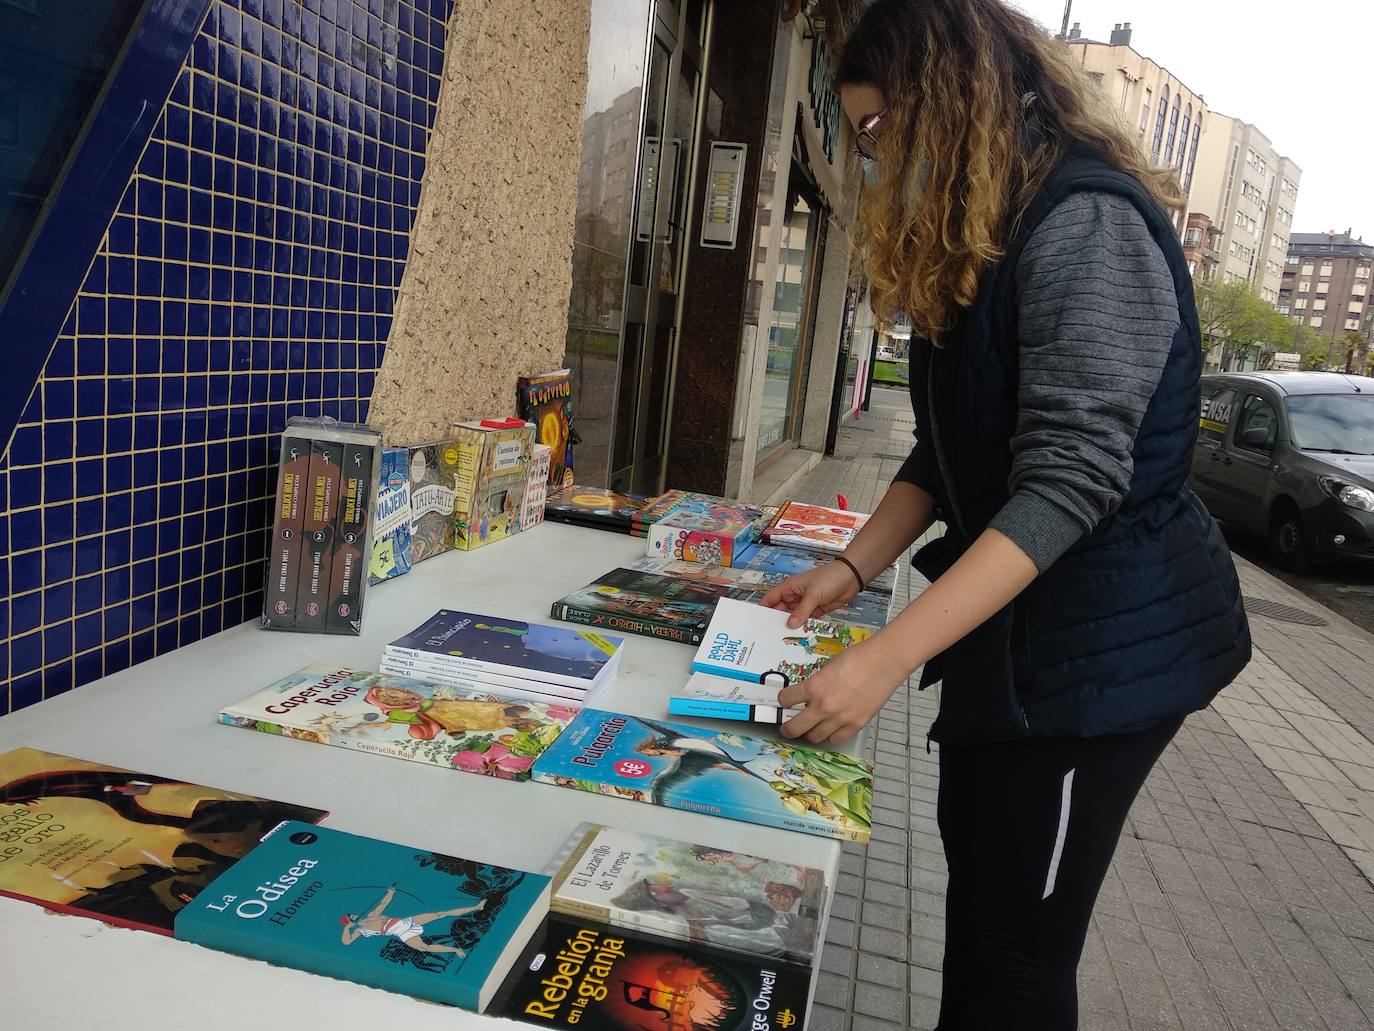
853 569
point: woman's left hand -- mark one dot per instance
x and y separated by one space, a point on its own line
844 695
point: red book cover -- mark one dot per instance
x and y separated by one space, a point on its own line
321 510
127 848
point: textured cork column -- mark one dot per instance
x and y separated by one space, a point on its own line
485 292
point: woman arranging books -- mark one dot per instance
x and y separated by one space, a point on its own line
1082 600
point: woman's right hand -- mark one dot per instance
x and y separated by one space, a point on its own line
812 594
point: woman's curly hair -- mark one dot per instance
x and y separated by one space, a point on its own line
965 81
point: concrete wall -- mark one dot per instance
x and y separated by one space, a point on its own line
485 295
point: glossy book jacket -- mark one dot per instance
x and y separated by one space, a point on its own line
408 920
749 642
771 783
127 848
468 728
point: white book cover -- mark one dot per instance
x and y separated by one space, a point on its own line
750 642
711 697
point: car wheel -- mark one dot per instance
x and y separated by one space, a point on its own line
1288 539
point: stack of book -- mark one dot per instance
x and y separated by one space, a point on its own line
702 528
594 508
633 602
814 527
514 659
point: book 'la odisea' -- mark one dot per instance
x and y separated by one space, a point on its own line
725 698
791 786
750 642
690 892
581 974
429 925
127 848
631 602
479 644
469 729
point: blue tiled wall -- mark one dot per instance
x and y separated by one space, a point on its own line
248 274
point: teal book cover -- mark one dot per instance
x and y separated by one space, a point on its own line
403 919
734 776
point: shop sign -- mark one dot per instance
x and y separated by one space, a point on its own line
825 101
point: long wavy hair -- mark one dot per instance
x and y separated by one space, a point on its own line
982 104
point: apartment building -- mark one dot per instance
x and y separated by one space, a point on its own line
1327 282
1166 116
1202 247
1249 191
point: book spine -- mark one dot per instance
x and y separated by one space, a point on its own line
321 509
284 561
348 579
490 672
711 709
502 687
625 624
464 456
733 672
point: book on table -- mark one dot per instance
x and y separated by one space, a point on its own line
646 604
815 527
749 642
756 780
545 399
776 563
726 698
404 919
469 728
593 507
689 892
507 653
127 848
580 974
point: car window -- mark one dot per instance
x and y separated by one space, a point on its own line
1257 428
1339 423
1217 410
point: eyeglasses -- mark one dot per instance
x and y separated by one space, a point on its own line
866 139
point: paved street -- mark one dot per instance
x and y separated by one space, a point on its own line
1346 589
1240 898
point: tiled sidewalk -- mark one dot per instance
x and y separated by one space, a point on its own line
1240 898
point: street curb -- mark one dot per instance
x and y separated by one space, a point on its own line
1274 584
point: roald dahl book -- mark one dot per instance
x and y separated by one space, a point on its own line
126 848
581 974
770 783
749 642
465 728
404 919
690 892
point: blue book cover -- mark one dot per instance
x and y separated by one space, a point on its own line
556 654
771 783
391 553
776 563
424 924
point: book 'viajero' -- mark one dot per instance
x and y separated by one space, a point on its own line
584 975
467 728
404 919
690 892
771 783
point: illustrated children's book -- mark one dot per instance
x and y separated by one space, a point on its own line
815 527
722 547
489 644
778 563
579 974
594 507
432 483
127 848
391 552
731 521
750 642
642 603
729 775
404 919
546 401
470 729
536 487
687 892
724 698
492 459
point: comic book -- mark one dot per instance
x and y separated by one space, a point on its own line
404 919
546 401
391 551
432 484
580 974
815 527
471 729
631 602
593 507
771 783
749 642
127 848
689 892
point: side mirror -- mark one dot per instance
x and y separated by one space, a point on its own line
1256 438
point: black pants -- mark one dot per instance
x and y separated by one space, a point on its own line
1029 829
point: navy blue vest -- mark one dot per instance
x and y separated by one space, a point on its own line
1140 621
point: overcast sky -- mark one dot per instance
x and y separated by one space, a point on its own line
1298 71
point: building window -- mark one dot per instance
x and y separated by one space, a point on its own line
1096 78
1193 237
1192 154
1159 124
1361 271
1315 321
1173 132
1183 138
1300 306
1308 269
1293 259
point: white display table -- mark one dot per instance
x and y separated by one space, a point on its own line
60 972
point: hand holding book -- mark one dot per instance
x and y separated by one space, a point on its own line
844 695
813 594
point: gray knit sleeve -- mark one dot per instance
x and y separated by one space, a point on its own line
1097 312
